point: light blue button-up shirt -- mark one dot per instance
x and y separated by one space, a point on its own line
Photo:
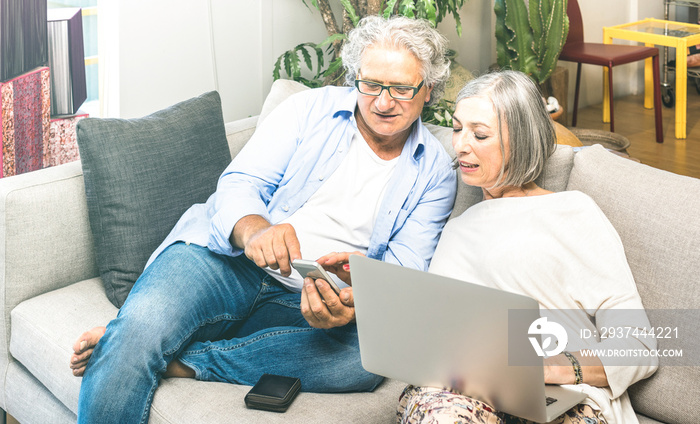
292 153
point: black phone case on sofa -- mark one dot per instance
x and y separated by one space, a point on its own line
273 393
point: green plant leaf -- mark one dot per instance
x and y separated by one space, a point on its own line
555 33
503 34
454 7
277 68
333 67
320 60
521 42
287 63
536 20
332 39
426 9
351 12
305 54
407 8
439 113
389 9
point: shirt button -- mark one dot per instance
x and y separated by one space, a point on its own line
285 208
320 177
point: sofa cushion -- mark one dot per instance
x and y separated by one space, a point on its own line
650 209
140 177
44 329
280 90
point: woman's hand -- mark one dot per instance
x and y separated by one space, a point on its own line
338 264
559 370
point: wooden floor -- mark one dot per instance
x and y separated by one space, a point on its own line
637 124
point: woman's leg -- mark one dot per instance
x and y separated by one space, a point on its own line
187 292
581 414
427 405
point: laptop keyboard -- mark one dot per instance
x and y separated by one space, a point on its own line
550 400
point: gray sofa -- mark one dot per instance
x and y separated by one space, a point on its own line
50 291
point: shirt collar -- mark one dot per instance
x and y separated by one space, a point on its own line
416 139
415 144
348 102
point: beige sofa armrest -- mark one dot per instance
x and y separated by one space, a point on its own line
45 238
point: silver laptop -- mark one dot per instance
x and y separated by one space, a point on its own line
429 330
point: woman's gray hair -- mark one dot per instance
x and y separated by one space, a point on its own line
519 107
415 35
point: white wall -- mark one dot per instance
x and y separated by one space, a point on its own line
162 56
249 37
476 48
164 51
159 52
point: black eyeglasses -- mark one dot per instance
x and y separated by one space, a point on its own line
398 92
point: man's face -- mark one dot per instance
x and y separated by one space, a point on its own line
382 116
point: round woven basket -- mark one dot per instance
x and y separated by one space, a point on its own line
607 139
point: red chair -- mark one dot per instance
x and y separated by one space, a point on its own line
608 55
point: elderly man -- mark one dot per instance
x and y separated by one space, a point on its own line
330 171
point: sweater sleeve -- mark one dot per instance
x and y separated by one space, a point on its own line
608 293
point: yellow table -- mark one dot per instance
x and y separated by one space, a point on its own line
657 32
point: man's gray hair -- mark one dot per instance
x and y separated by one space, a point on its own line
415 35
519 107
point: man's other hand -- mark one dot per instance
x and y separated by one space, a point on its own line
322 308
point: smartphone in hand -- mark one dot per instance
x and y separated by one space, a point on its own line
314 270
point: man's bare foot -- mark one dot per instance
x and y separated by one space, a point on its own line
177 369
82 349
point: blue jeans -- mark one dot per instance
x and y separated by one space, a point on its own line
223 317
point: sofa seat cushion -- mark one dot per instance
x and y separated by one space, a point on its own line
190 401
44 329
141 175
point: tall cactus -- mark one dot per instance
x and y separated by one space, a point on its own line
529 39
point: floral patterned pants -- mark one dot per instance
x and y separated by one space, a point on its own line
427 405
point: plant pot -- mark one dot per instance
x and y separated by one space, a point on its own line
459 76
609 140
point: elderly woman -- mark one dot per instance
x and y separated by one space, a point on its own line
557 248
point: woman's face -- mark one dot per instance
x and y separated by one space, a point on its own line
476 141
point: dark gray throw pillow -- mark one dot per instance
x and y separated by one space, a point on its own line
140 177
